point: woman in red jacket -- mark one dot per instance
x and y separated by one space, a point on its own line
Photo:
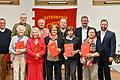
35 51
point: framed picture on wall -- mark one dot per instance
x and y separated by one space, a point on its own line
55 2
105 2
9 2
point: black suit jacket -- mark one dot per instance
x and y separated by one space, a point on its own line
78 33
108 44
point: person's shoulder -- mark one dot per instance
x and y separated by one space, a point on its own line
110 31
46 29
25 37
14 37
78 28
46 38
77 38
16 24
30 39
8 30
28 24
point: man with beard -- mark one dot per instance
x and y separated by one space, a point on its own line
81 32
23 20
108 42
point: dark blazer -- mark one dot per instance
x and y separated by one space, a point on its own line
62 35
78 33
108 44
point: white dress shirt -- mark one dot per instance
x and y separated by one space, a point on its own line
84 33
102 35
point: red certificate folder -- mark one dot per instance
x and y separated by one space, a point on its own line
53 49
68 49
20 45
36 48
85 48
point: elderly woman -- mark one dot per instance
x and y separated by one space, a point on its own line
90 61
18 49
35 50
71 60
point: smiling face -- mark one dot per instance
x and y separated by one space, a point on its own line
23 18
35 34
70 33
54 30
84 21
41 23
2 24
91 33
21 29
104 25
63 23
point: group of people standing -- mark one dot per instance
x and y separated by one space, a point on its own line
31 46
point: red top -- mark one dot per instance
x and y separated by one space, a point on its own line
31 55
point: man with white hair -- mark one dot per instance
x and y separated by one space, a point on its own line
41 25
18 49
63 26
62 33
23 20
5 37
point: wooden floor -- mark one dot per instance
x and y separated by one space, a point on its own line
115 75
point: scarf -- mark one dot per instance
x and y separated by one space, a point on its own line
89 60
53 37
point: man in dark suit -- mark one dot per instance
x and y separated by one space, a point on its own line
81 32
108 42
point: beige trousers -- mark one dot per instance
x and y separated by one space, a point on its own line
19 64
90 73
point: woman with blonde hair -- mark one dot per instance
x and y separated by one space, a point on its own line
35 51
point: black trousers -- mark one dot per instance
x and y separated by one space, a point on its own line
80 71
57 70
70 69
103 66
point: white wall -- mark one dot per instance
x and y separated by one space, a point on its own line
95 14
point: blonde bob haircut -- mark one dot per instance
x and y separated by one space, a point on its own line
21 28
33 29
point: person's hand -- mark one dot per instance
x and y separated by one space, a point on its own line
37 55
90 55
110 59
75 52
59 50
71 54
18 51
80 53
